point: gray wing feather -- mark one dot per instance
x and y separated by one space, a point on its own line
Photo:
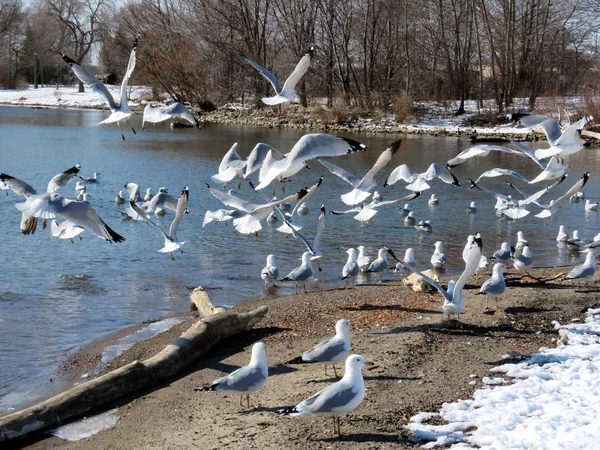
268 75
325 352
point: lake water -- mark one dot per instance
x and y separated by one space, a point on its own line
56 295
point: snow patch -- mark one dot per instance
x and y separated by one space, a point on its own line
87 427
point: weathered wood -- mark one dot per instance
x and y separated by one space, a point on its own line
193 343
200 301
418 284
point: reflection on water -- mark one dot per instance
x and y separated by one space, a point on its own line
60 294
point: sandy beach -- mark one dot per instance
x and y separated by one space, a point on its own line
421 361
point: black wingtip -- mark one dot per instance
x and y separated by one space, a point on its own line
322 209
479 241
395 146
114 236
205 389
288 410
302 193
72 170
310 51
68 60
473 184
355 146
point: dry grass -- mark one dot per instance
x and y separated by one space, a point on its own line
403 108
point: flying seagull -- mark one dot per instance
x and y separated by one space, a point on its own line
171 241
162 113
286 92
119 113
418 181
363 185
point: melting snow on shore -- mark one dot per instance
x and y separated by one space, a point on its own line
554 401
87 427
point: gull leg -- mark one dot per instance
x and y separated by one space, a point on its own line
339 430
304 284
296 287
172 257
335 371
132 129
122 135
334 425
319 266
241 400
325 366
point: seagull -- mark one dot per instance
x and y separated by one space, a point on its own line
315 248
380 264
232 166
575 241
554 207
302 273
555 168
472 208
133 189
351 268
504 253
161 200
589 206
309 146
424 225
501 172
148 195
65 230
20 187
257 157
249 221
377 196
366 212
119 113
222 215
171 241
363 260
247 379
336 399
433 200
418 181
408 260
562 143
477 151
453 297
410 220
81 194
73 212
438 259
270 272
93 179
161 113
585 271
363 185
502 201
495 285
405 210
119 199
303 209
562 235
288 222
331 351
524 260
286 92
80 186
522 242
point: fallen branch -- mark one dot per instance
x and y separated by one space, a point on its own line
192 344
538 280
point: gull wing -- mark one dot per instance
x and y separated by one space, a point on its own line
525 150
477 150
441 172
401 172
316 145
501 172
232 200
90 81
257 156
157 114
17 186
319 233
62 179
270 169
338 171
383 160
575 188
229 157
182 203
295 232
431 281
38 206
268 75
309 192
144 216
406 198
130 67
298 72
161 199
571 134
550 127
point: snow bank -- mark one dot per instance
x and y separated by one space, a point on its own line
555 399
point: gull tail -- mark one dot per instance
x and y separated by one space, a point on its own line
287 410
297 360
212 387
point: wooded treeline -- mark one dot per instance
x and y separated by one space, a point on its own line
368 53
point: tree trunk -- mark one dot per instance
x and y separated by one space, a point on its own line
81 88
192 344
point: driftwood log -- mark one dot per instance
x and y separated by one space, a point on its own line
192 344
200 301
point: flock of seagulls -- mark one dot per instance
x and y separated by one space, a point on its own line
337 399
71 217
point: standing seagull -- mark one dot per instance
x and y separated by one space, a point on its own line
363 260
351 268
331 351
438 259
270 272
302 273
338 398
247 379
286 92
380 264
363 185
119 113
171 241
584 272
408 260
495 285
